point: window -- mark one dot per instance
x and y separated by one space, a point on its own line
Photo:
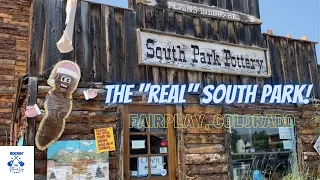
149 145
266 148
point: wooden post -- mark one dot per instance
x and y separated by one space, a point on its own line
13 135
181 169
32 99
227 140
172 149
119 141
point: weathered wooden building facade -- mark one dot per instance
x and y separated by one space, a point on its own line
14 42
105 48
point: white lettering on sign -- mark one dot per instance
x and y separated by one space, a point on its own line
199 9
208 11
197 55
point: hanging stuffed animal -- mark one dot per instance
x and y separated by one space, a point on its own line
64 81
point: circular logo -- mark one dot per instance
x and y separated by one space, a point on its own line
163 172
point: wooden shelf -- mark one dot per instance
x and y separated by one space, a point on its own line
260 153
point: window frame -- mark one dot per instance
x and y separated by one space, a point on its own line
171 142
293 138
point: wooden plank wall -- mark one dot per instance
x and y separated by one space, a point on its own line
293 62
205 28
203 151
104 39
105 43
14 46
308 132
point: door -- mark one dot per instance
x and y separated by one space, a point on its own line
149 143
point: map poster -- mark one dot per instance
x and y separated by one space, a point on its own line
77 159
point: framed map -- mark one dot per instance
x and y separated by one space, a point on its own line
75 160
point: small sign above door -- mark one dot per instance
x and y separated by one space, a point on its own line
202 10
181 52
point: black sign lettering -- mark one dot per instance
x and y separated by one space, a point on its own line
177 52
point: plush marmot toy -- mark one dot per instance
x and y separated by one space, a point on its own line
64 81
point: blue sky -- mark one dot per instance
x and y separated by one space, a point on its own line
295 17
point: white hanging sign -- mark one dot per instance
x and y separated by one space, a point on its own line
139 144
202 10
284 133
182 52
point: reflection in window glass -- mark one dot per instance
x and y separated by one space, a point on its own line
138 122
144 122
264 150
158 144
158 123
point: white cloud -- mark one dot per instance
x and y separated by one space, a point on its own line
85 143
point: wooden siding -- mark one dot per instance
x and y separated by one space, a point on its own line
105 49
202 159
293 62
308 132
14 46
105 44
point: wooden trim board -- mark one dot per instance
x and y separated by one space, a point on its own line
202 10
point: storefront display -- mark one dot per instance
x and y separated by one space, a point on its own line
159 92
274 152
